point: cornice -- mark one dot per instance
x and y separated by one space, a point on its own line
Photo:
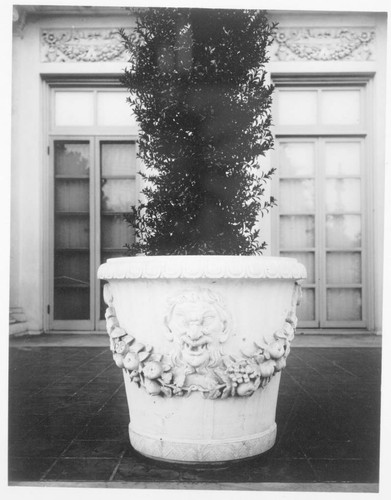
22 14
70 10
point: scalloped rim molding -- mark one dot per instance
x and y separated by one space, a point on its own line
202 266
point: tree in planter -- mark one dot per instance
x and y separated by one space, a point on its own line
198 91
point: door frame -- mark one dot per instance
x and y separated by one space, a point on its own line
363 133
49 83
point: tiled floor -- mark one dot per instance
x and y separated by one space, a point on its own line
68 423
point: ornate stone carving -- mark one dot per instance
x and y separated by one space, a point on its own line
198 323
324 44
82 45
204 266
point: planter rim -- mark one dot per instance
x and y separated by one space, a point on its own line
202 266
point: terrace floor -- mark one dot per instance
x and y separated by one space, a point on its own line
68 421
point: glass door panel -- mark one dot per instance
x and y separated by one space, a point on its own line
113 110
297 231
71 195
343 267
118 159
344 304
342 158
296 159
117 195
73 109
297 107
343 195
344 231
297 195
72 231
340 107
71 291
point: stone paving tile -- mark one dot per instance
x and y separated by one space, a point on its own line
27 468
286 447
264 468
81 469
135 468
112 431
38 447
327 448
69 422
346 470
103 448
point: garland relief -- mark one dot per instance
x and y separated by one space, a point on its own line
197 325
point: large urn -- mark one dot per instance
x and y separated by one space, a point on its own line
201 341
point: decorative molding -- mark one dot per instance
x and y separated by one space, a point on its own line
196 322
203 451
82 45
202 266
324 44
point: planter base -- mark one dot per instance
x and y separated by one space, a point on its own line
207 451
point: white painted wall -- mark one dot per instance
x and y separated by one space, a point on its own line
26 181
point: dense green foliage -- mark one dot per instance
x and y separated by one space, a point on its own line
198 90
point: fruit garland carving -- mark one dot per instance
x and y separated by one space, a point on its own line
241 375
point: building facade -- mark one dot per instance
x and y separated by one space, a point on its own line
74 163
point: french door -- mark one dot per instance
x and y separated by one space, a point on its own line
93 185
322 191
322 224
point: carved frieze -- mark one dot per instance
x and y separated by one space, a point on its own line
198 324
323 44
82 45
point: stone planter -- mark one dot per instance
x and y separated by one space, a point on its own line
201 341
